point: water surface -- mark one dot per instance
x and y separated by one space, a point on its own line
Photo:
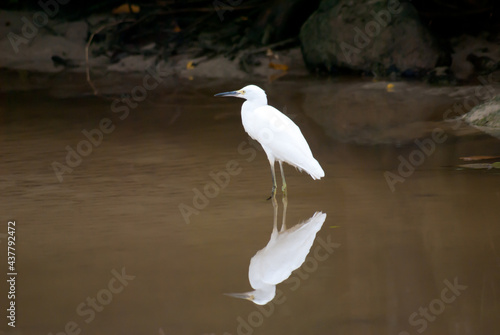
382 263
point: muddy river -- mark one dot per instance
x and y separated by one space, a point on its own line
138 217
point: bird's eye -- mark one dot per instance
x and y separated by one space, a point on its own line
242 92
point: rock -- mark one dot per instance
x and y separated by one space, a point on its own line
440 75
374 36
29 46
45 47
280 63
474 55
486 117
384 112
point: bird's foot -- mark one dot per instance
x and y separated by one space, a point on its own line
273 193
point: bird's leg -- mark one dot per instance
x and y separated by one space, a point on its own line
283 187
285 204
275 217
273 176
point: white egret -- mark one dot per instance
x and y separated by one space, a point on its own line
279 136
284 253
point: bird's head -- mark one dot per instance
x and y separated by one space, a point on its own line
249 92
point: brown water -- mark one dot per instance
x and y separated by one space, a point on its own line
383 262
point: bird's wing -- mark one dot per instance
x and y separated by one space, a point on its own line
278 134
270 126
282 256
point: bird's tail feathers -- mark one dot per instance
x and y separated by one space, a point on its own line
315 170
306 162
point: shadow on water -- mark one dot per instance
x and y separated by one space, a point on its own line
285 252
109 250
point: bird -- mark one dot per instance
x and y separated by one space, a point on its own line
279 136
285 252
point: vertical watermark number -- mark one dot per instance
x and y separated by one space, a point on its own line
11 273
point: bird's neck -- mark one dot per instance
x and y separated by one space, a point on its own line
252 105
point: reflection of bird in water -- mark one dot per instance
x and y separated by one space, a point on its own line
280 138
285 252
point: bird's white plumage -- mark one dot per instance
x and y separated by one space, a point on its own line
285 252
279 136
